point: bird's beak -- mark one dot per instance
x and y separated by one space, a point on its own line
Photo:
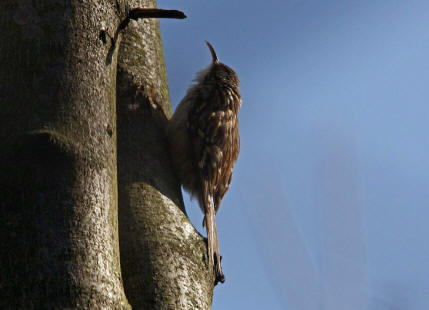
212 51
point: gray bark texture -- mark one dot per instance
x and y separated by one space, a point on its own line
80 130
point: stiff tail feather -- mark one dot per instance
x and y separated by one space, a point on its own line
214 258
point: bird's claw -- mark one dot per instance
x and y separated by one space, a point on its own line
219 276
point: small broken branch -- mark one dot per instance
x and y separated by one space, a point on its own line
155 13
137 13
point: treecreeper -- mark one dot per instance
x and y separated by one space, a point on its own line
205 142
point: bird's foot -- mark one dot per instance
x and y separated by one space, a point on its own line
214 263
219 276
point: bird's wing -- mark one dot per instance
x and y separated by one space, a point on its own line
213 127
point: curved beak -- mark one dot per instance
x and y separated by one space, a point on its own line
212 51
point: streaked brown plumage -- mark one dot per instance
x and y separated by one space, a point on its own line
205 143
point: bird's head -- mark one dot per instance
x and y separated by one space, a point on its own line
219 73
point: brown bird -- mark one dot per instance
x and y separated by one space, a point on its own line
205 143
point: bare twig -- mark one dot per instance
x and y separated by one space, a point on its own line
137 13
155 13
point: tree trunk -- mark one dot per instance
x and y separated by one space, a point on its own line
59 189
161 252
58 165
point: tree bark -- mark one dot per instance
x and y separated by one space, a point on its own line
58 164
58 225
163 257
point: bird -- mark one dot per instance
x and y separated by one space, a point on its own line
205 142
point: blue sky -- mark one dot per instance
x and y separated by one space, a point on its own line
329 203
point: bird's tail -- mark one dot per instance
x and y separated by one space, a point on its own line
214 258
